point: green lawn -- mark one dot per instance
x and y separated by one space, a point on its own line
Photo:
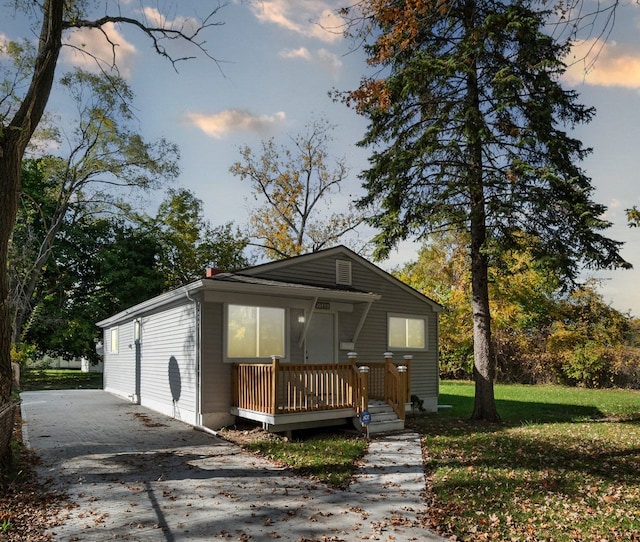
59 379
564 465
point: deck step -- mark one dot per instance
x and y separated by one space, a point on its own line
383 420
385 426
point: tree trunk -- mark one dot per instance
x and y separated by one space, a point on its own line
9 188
14 139
484 407
483 361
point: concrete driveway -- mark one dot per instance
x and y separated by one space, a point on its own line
137 475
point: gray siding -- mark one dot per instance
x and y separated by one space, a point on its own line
215 375
120 366
160 371
168 362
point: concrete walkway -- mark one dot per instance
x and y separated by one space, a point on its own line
137 475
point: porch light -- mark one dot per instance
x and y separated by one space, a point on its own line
301 319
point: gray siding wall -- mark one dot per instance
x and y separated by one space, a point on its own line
169 362
216 375
120 366
160 371
372 341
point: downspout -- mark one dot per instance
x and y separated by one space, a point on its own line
197 318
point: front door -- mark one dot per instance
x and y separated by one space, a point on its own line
320 340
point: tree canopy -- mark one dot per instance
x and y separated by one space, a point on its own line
27 76
296 187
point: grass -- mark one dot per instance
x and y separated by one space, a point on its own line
59 379
329 458
564 465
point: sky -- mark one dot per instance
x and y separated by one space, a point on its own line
276 63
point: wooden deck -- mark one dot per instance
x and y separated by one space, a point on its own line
286 395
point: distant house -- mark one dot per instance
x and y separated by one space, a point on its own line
283 343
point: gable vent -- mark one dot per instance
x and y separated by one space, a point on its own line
343 272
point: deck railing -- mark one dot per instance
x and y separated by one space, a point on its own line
284 388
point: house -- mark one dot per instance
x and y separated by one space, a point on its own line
283 343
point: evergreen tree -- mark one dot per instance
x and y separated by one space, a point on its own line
468 132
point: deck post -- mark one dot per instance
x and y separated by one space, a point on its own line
364 388
353 377
388 360
402 392
235 386
407 361
274 384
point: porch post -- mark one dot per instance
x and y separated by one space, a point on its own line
353 376
407 361
274 384
388 359
402 395
364 388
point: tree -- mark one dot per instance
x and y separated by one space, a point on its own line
633 217
105 157
467 133
441 272
188 243
101 266
524 300
296 184
26 89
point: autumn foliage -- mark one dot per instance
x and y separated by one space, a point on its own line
541 333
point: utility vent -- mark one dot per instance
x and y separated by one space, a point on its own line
343 272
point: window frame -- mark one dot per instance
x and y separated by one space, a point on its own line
255 359
407 317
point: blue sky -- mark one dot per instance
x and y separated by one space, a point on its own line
278 59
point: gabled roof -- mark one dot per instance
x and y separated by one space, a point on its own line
339 250
236 283
249 281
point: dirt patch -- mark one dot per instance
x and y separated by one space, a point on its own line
28 508
245 433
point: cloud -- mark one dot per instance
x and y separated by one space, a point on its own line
87 47
329 62
310 18
594 62
323 58
217 125
187 25
301 52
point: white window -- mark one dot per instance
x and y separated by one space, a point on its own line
114 339
407 332
255 332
